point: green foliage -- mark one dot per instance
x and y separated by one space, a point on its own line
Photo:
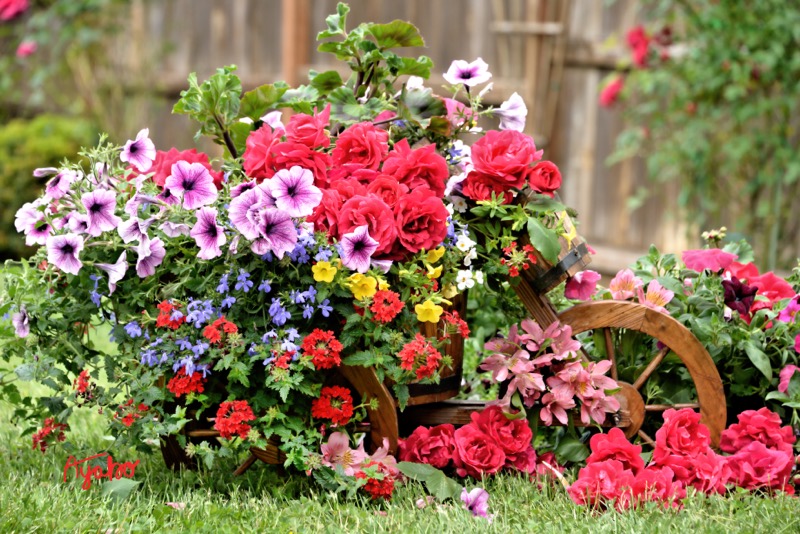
25 145
719 115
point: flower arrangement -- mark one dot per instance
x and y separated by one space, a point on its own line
234 289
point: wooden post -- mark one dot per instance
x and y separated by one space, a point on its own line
295 26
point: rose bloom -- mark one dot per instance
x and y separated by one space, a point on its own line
421 167
513 435
352 172
259 147
476 453
681 434
599 483
361 143
545 178
756 466
375 214
348 188
763 426
506 156
611 91
421 222
615 446
310 130
479 186
387 189
434 446
325 216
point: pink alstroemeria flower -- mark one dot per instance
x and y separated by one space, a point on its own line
786 375
625 285
555 404
656 297
337 453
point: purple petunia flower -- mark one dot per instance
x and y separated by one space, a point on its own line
21 322
116 271
294 191
172 229
245 212
208 235
42 172
38 234
100 205
151 254
242 188
27 217
78 222
476 501
381 265
140 152
512 113
58 185
357 248
470 74
194 182
63 251
133 229
278 233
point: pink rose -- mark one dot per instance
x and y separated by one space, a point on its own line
651 485
421 167
545 178
600 483
310 130
421 222
507 156
289 154
479 186
434 446
349 188
513 435
325 216
375 214
388 189
476 453
361 143
11 8
682 434
610 93
258 152
615 446
763 426
26 48
352 172
755 466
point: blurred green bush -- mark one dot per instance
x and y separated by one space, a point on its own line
26 144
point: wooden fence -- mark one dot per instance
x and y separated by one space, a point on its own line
274 39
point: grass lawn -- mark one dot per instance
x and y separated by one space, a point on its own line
34 498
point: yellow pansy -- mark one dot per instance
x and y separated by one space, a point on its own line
434 273
323 271
435 255
363 286
428 311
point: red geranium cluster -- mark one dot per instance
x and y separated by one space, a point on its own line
49 433
489 443
385 306
396 193
615 473
164 319
517 258
83 385
184 383
128 413
213 332
379 485
420 357
455 321
232 417
334 403
323 348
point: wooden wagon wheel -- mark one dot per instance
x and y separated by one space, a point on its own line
610 317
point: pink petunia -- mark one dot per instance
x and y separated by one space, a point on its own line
786 375
151 254
356 248
63 252
470 74
140 152
208 235
713 259
294 191
100 205
582 286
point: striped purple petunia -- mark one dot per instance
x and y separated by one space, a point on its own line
357 248
277 233
294 191
151 254
140 152
100 205
193 182
63 251
208 235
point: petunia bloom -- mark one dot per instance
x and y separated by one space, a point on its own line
140 152
785 377
357 248
739 296
20 321
582 286
294 191
470 74
63 251
713 259
100 205
512 113
277 233
116 271
208 235
476 501
59 184
151 254
194 182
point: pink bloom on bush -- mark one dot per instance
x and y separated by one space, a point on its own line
615 446
652 485
656 297
610 93
555 403
361 143
787 373
639 42
11 8
713 259
682 433
625 285
434 446
476 455
763 426
337 452
742 271
582 286
772 287
710 472
756 466
26 48
600 483
789 313
514 436
417 168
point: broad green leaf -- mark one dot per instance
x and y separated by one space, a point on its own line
777 395
26 372
443 487
544 240
119 489
401 66
336 22
363 358
758 358
262 99
571 450
395 34
325 82
416 471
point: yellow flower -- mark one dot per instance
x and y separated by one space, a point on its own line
434 273
435 255
449 291
428 311
570 234
363 286
323 271
383 285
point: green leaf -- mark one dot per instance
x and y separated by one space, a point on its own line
402 395
363 358
325 82
400 66
335 22
26 372
758 358
395 34
421 106
119 489
437 483
777 395
416 471
262 99
571 450
544 240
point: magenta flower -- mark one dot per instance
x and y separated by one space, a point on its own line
294 191
63 251
59 184
356 249
26 48
337 453
713 259
242 187
100 205
141 152
789 313
193 182
582 286
208 235
77 222
21 322
115 271
27 217
151 254
12 8
277 233
134 229
476 501
625 285
656 297
470 74
785 377
39 233
245 212
512 113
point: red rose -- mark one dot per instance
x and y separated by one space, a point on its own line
524 461
288 154
421 222
545 178
513 435
421 167
611 91
507 156
616 446
434 446
258 152
479 186
325 216
682 434
352 172
756 466
310 129
710 473
476 453
361 143
763 426
388 189
373 212
162 165
599 483
651 485
349 188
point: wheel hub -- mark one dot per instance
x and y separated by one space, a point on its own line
631 405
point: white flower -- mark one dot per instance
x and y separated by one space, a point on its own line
415 82
450 209
471 255
479 277
464 280
458 203
464 243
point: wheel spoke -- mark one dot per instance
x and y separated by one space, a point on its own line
610 352
662 407
246 465
647 439
650 368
